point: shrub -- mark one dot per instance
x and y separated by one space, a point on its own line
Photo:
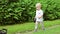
17 11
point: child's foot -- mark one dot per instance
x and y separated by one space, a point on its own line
35 30
43 29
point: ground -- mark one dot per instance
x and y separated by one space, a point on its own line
51 27
50 30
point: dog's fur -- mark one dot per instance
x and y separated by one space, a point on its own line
34 20
3 31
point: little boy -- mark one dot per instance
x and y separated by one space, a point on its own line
39 16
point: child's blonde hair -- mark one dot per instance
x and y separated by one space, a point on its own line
38 4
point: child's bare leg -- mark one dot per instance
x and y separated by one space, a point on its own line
36 26
42 25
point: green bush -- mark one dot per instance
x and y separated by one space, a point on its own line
51 9
17 11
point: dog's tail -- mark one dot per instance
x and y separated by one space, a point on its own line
5 30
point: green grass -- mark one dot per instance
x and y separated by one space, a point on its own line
50 31
27 26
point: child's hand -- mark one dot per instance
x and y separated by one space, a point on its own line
39 17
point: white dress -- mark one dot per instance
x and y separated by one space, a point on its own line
39 13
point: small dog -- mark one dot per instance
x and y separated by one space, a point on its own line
34 20
3 31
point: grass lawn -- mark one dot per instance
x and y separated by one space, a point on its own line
12 29
50 31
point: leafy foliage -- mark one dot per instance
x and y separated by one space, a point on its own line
16 11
